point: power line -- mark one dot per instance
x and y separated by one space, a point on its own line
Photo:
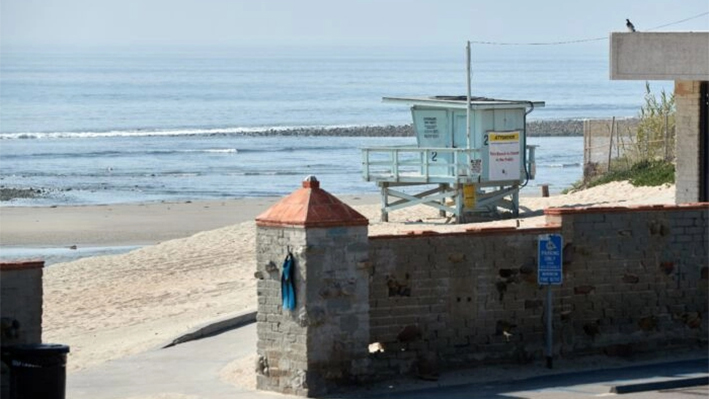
593 39
680 21
538 43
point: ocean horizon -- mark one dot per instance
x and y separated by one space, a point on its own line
110 125
233 89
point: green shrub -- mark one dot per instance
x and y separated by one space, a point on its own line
652 173
643 173
650 137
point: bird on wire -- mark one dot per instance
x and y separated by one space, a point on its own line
631 27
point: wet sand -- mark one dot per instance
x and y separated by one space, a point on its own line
128 224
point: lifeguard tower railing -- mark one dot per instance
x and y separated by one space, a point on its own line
456 172
420 165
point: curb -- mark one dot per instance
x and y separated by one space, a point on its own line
214 328
660 385
607 379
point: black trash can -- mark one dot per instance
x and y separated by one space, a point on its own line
37 371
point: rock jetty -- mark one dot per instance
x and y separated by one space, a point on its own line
534 128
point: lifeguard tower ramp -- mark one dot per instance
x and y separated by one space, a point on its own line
471 159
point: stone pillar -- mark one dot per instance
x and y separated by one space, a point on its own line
323 342
687 148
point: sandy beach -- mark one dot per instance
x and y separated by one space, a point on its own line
129 224
197 263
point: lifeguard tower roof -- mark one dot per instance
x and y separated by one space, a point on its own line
459 102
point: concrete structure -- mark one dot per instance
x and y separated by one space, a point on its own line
635 280
21 302
692 140
684 58
659 56
20 307
323 341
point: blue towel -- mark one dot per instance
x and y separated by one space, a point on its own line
287 283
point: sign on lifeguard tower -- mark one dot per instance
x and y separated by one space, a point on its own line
550 259
504 155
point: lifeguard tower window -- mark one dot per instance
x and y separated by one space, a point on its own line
471 158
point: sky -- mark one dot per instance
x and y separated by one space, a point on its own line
330 22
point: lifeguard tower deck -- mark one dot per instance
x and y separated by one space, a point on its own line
471 159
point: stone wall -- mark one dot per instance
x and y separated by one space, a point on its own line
635 280
687 144
281 336
455 300
323 342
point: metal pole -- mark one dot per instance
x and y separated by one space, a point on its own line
470 89
549 343
610 144
667 138
585 143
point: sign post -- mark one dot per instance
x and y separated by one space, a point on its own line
549 271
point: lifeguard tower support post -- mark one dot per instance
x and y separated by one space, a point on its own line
474 154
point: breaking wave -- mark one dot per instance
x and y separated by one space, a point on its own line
336 130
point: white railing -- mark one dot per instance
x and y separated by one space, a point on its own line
413 164
428 165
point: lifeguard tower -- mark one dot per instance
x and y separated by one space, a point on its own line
471 157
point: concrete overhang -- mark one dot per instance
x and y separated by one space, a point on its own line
659 56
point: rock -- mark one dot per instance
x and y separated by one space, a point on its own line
7 193
568 127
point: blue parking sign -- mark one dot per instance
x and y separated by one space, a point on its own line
549 258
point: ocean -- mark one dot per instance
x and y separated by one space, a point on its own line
116 125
